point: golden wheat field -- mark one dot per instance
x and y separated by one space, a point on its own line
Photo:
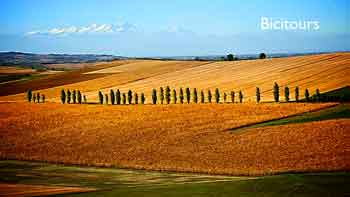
325 71
188 138
15 70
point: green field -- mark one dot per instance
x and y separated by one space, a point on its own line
340 111
4 79
125 182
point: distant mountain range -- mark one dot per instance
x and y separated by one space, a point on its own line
40 60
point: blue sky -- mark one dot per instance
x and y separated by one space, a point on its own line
170 28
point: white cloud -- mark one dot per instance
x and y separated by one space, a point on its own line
84 29
93 28
56 31
71 29
32 33
103 28
122 27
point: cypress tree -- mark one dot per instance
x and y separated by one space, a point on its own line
188 95
29 95
195 96
130 97
286 93
43 98
318 95
38 97
181 96
85 100
106 99
297 94
217 95
167 95
161 95
240 96
34 98
143 98
154 96
232 96
257 95
79 97
100 97
69 96
124 98
174 96
276 92
209 96
63 96
112 96
202 96
307 95
74 96
225 97
136 96
117 97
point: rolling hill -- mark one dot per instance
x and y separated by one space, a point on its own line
324 71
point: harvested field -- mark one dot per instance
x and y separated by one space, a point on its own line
51 72
326 72
189 138
75 66
128 71
15 70
37 190
53 80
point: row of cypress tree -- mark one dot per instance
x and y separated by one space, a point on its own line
164 96
167 96
276 94
74 97
120 98
35 97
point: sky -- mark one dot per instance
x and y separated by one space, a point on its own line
174 28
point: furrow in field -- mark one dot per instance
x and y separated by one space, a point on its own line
326 72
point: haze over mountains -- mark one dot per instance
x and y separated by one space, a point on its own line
37 60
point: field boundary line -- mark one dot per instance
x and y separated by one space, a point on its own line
234 129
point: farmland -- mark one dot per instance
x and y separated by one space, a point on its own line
15 70
53 80
178 149
326 72
36 190
175 98
188 138
135 183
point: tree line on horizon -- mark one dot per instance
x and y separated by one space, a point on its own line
232 57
